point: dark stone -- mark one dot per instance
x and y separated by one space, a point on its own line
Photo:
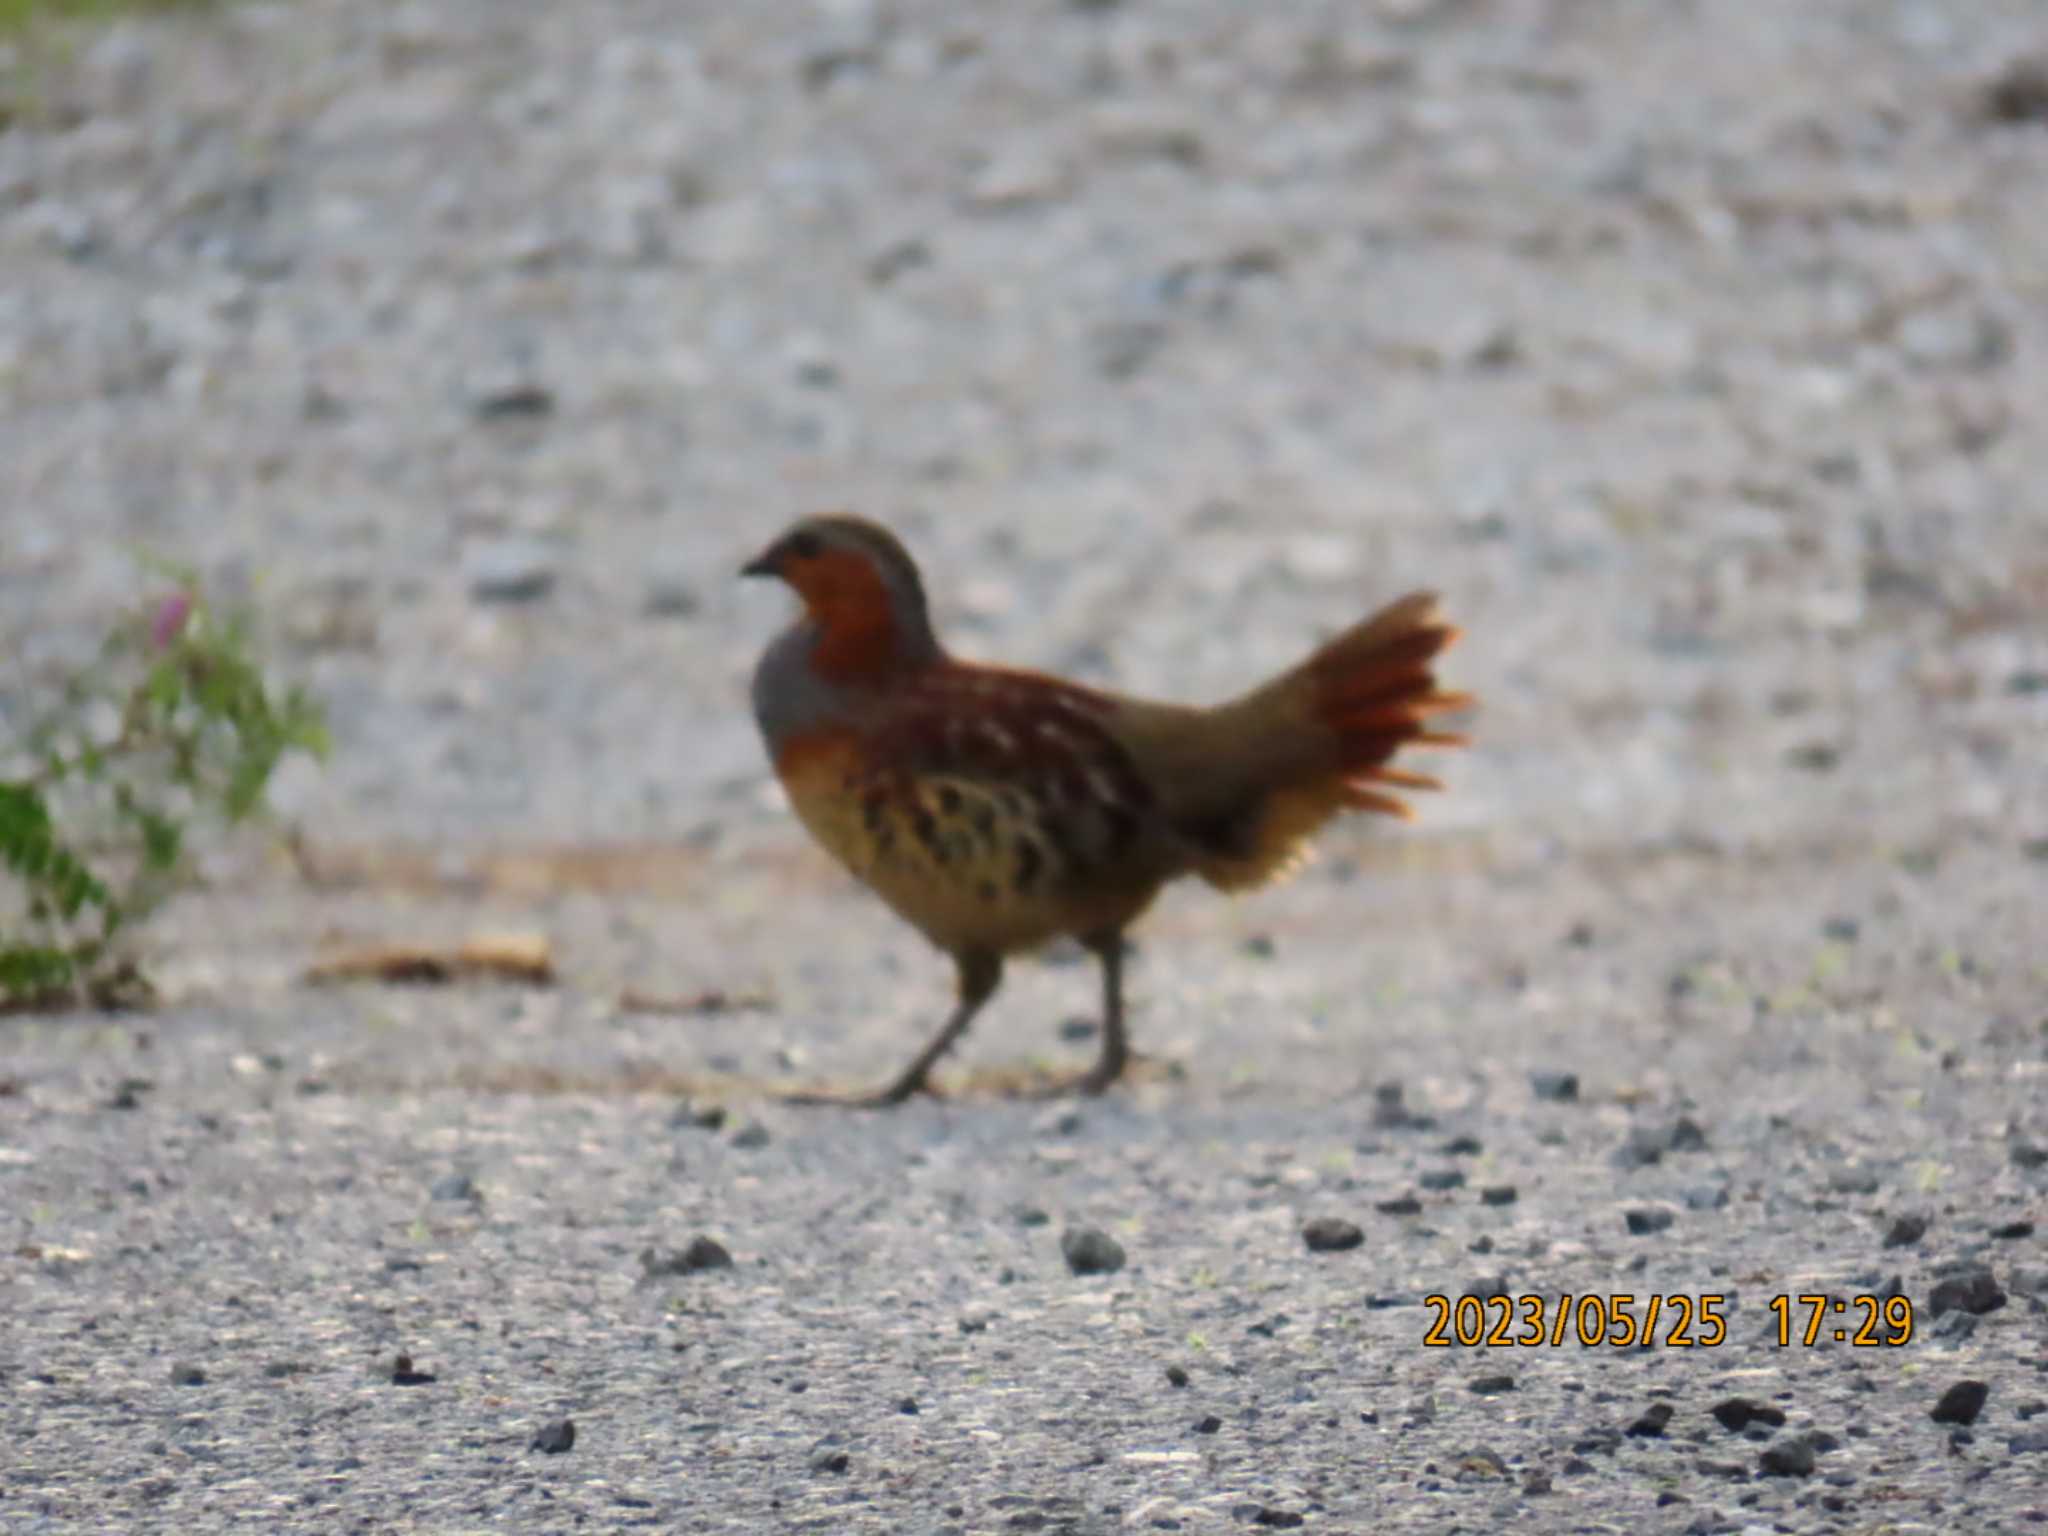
1400 1205
403 1374
186 1374
515 398
2025 1154
1176 1376
1557 1087
1651 1425
1787 1457
1491 1386
1974 1290
1208 1425
751 1137
1961 1403
829 1456
1331 1234
554 1438
1738 1413
2013 1230
1906 1230
907 1406
703 1253
1498 1194
1091 1251
1030 1216
1278 1519
2018 94
1462 1146
1441 1179
456 1186
1645 1220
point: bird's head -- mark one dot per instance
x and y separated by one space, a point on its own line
859 586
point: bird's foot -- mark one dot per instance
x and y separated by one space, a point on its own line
1093 1083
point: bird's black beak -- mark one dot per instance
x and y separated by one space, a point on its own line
767 563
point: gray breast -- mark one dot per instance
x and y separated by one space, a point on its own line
789 696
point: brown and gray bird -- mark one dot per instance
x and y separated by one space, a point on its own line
996 810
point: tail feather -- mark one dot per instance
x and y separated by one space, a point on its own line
1325 733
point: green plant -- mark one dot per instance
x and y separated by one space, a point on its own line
170 728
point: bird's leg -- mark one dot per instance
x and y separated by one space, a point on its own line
1116 1046
979 976
1115 1056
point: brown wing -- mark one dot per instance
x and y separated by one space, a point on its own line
1010 776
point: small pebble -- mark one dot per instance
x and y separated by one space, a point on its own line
1091 1251
697 1117
1440 1179
1331 1234
1498 1194
1400 1205
670 599
456 1186
1556 1087
554 1438
513 398
1208 1425
510 571
907 1406
1176 1376
1489 1386
751 1137
1644 1220
185 1374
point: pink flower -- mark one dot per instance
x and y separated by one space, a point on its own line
169 622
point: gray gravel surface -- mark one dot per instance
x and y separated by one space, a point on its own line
1697 353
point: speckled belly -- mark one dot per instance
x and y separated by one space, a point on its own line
971 864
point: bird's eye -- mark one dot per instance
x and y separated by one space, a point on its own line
804 546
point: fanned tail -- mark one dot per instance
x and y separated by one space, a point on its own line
1321 738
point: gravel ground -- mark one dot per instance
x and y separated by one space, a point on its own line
1697 353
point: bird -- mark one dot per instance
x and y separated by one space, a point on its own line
997 809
